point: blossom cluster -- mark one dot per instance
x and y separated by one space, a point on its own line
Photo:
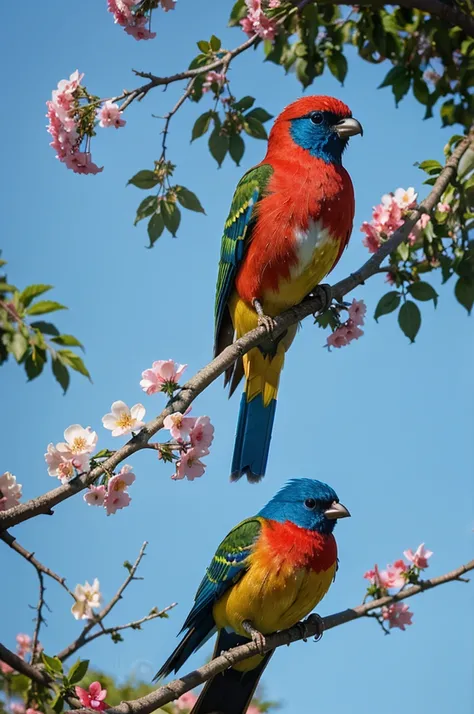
72 118
350 329
88 598
396 576
71 455
135 20
388 216
256 21
10 491
112 495
214 78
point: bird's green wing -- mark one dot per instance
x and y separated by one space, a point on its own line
237 232
227 565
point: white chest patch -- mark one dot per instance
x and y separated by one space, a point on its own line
307 242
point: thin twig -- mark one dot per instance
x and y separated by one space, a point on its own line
135 625
208 374
82 639
30 557
170 115
173 690
39 616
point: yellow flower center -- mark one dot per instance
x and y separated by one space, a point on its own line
79 444
124 421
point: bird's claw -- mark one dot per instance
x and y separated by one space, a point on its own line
324 293
256 636
314 620
263 320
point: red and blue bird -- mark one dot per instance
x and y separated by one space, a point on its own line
289 222
267 574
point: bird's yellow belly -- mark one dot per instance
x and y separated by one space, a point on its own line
315 262
272 600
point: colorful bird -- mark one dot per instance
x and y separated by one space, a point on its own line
267 574
289 222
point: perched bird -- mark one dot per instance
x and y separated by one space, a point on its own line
267 574
289 222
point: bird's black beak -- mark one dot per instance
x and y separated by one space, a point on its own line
348 127
336 510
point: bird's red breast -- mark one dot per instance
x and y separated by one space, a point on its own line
286 545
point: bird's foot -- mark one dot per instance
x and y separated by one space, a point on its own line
313 620
324 293
256 636
263 320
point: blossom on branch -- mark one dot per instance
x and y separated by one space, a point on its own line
114 496
94 697
95 496
110 115
189 465
123 420
78 441
257 23
135 16
10 491
202 434
349 330
163 376
398 615
180 425
88 598
419 558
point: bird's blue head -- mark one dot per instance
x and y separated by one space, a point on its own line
307 503
322 126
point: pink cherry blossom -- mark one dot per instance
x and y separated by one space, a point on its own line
213 78
94 697
419 558
139 31
253 710
189 465
78 441
110 115
373 576
116 500
357 311
62 464
398 615
5 668
405 198
392 577
272 3
23 644
418 227
10 491
443 207
338 338
179 425
95 495
257 23
81 163
372 239
186 701
30 710
202 434
17 708
123 420
163 374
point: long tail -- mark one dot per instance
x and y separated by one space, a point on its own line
194 639
257 412
230 692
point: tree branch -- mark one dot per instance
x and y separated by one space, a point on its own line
97 620
19 665
39 616
214 369
173 690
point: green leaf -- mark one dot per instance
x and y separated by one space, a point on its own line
201 125
61 374
146 208
387 303
464 291
239 10
52 664
103 454
430 166
67 341
218 145
409 319
6 287
46 327
78 671
144 179
34 364
400 86
171 216
245 103
423 291
204 46
156 226
259 113
403 251
44 306
337 64
189 200
392 76
236 148
421 91
57 704
73 361
215 43
254 127
33 291
18 346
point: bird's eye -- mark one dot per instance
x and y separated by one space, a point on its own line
316 117
310 504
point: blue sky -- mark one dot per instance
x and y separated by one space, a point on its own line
386 423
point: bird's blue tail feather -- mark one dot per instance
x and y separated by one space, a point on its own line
252 438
